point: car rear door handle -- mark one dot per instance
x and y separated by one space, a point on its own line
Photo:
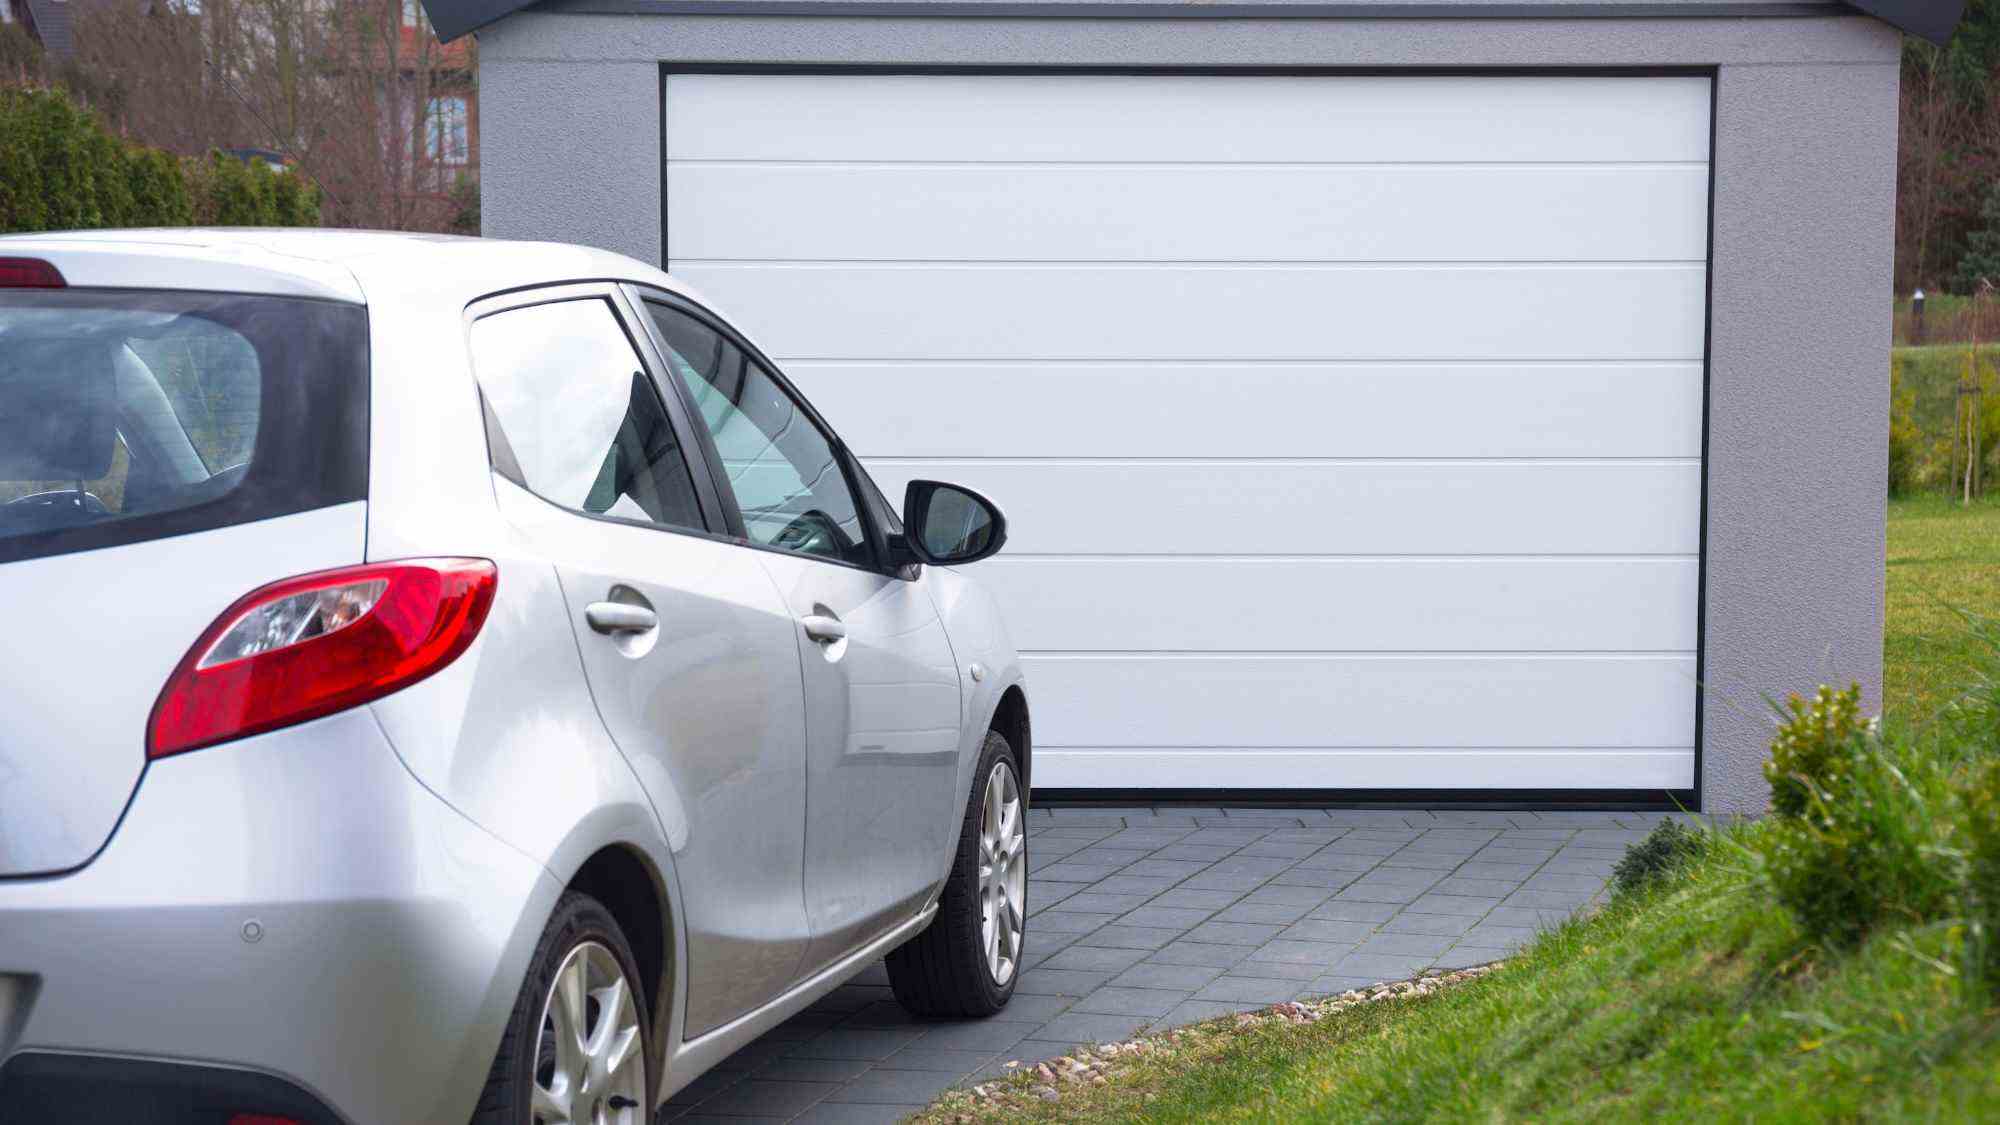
618 617
823 628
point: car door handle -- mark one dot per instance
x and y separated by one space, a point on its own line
619 617
824 629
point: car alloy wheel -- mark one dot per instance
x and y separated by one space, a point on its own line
590 1066
1003 872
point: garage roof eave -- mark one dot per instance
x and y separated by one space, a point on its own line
1933 20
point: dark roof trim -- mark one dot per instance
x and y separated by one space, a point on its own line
1931 19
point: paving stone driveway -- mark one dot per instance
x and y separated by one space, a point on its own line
1155 917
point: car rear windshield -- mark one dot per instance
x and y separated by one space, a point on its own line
128 415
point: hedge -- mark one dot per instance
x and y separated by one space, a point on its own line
60 169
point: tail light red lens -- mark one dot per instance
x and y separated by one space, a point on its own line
29 273
309 646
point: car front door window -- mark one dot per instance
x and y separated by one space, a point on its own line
780 465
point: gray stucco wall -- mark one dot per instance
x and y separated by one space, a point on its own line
1804 201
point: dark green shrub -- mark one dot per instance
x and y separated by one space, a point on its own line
294 201
1864 825
230 193
1815 749
159 190
1670 848
1906 437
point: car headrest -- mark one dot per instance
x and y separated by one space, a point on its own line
58 411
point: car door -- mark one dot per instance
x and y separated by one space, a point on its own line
881 685
686 644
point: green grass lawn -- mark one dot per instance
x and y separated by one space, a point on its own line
1942 559
1698 1000
1694 1003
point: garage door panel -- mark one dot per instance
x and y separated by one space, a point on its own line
1210 312
1062 767
1331 508
1363 701
1367 605
1168 118
1393 213
1259 410
1349 427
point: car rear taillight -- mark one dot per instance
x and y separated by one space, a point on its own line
29 273
319 643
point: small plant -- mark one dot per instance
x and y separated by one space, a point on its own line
1814 749
1982 876
1669 849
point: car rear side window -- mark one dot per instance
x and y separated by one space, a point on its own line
573 418
128 415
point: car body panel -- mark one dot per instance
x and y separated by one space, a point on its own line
882 721
293 903
67 767
401 858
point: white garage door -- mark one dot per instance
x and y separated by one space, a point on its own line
1349 428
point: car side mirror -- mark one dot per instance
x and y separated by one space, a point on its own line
947 525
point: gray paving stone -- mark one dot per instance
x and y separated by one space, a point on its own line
1258 990
1432 861
1117 1000
1196 853
1070 870
1195 1011
1320 953
1412 923
1379 892
849 1113
756 1096
1045 981
1324 880
1562 900
1195 898
1379 967
1540 917
1466 956
1146 885
1279 850
1207 954
1177 918
1328 860
1122 936
1356 911
1033 1009
1476 888
1175 869
1303 970
1335 985
1267 913
797 1068
1233 837
1068 922
1406 945
1506 937
920 1057
1099 902
896 1087
1090 1027
1453 904
976 1035
1103 853
1328 930
1234 933
1486 869
858 1043
1286 896
1097 959
1148 974
1560 881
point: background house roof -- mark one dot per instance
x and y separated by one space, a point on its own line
1931 19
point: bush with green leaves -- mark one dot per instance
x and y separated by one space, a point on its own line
1668 850
1815 748
61 169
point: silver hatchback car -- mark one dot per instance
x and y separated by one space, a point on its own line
453 679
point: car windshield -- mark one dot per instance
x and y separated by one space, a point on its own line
117 408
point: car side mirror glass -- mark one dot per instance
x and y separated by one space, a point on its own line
948 525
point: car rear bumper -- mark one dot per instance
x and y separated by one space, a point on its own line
294 905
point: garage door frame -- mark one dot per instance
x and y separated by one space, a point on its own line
1689 798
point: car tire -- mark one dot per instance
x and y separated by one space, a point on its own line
582 962
961 965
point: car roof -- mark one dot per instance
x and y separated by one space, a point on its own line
344 265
